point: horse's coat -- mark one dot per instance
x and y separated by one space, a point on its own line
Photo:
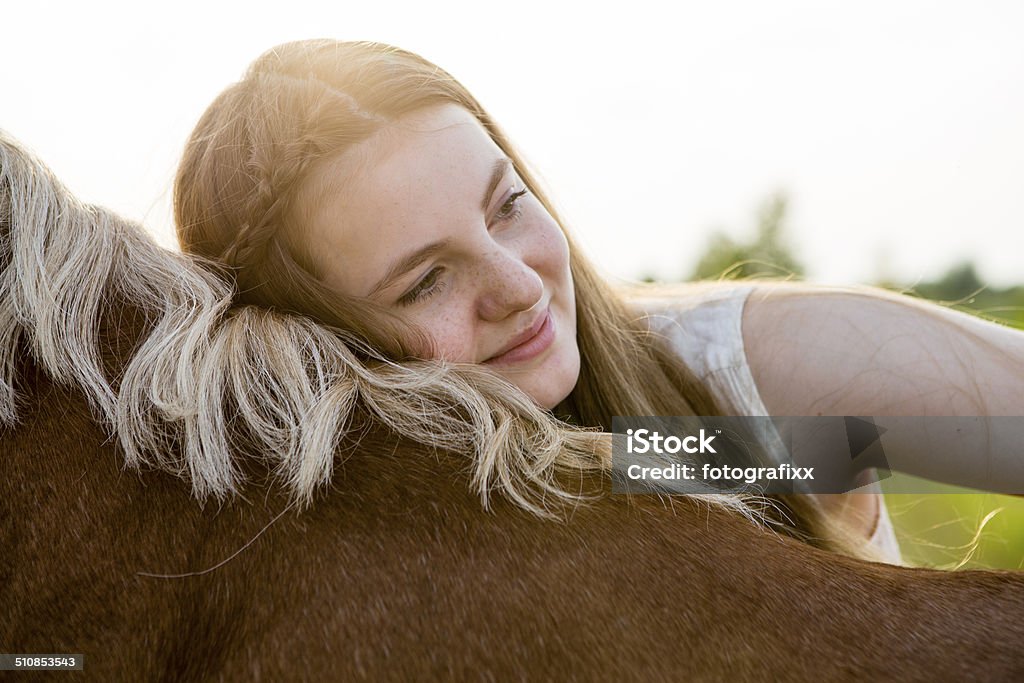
397 572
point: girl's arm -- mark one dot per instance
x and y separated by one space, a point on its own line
865 351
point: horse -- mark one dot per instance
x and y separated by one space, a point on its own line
148 519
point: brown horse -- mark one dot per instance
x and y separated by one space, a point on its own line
396 572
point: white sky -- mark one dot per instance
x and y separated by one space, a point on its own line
897 128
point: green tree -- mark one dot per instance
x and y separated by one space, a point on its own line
767 255
960 282
962 288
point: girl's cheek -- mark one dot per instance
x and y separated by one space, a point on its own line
452 340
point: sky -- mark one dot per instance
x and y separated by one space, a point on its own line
896 128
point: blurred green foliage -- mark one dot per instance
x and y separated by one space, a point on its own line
947 527
768 254
950 527
961 288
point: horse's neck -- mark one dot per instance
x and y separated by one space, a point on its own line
397 572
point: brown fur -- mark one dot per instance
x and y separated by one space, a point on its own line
397 574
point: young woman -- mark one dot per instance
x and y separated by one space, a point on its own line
362 186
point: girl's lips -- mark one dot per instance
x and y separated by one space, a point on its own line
530 348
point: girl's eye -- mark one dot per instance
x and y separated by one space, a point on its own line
510 209
426 287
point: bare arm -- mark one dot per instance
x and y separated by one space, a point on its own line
864 351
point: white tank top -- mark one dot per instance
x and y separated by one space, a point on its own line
704 327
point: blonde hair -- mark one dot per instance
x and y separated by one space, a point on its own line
304 103
208 378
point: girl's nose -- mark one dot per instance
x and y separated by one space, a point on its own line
509 285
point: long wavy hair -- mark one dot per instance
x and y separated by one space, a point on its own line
304 103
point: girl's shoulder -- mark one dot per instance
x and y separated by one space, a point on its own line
676 298
701 321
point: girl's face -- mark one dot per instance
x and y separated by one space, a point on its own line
429 218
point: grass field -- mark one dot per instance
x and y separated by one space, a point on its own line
949 527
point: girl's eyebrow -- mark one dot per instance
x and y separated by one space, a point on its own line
407 263
498 172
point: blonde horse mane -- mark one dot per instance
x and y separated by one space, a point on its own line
204 371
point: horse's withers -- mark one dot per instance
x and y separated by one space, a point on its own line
397 572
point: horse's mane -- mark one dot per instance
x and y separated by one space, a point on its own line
205 384
206 380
